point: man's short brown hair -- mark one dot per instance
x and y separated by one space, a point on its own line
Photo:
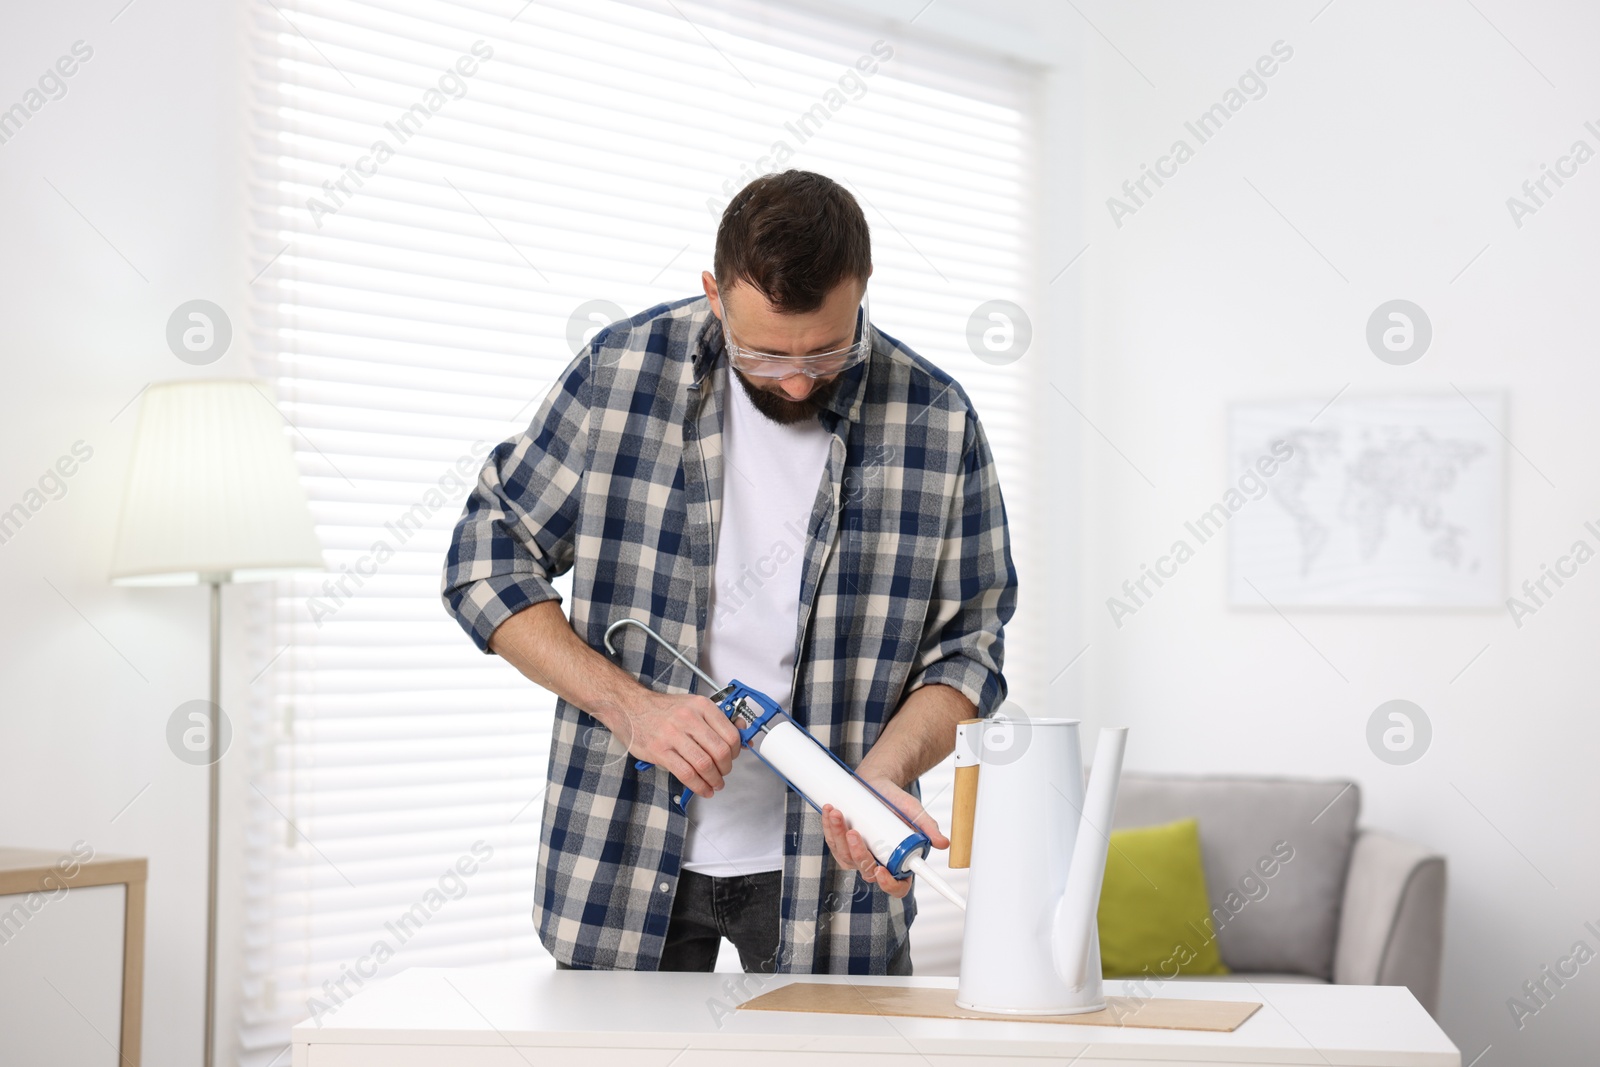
794 236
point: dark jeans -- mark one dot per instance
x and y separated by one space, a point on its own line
742 908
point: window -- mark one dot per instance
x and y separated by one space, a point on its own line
447 201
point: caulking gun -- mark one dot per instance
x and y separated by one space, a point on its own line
812 770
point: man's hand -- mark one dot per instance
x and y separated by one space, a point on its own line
686 734
918 736
849 848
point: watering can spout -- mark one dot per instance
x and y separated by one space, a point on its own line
1077 911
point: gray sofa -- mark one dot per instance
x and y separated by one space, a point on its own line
1347 905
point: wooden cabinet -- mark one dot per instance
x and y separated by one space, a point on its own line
71 956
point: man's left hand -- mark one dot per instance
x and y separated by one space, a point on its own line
849 848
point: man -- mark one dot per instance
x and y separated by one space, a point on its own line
791 498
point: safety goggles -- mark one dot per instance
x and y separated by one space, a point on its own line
753 364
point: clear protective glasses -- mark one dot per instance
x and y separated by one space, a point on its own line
753 364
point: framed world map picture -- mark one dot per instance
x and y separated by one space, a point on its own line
1370 501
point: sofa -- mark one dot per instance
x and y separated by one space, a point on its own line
1348 905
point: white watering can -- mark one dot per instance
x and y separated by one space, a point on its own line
1031 944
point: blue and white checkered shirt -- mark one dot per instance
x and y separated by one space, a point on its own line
907 581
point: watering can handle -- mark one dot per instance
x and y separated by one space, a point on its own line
964 804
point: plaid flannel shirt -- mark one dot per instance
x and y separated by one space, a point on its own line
907 581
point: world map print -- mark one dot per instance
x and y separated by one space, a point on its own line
1388 501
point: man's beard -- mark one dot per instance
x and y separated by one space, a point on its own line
781 409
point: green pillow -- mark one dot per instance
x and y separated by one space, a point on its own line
1155 917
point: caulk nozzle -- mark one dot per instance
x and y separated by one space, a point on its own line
919 867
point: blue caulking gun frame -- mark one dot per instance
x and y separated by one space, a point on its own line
756 715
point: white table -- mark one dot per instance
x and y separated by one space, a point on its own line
522 1014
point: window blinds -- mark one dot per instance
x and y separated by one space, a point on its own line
447 200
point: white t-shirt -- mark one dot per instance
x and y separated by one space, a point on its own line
771 473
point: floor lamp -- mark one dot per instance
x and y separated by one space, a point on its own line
213 496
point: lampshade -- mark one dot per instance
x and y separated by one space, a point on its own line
212 494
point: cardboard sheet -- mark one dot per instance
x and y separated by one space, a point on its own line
844 999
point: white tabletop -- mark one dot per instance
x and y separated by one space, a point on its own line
498 1014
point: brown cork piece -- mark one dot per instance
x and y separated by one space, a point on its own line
1157 1013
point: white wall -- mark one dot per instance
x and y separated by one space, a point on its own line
1390 140
146 145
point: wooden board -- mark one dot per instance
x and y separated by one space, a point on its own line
1159 1013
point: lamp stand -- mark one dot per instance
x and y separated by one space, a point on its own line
211 819
184 522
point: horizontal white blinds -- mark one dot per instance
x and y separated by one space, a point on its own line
414 303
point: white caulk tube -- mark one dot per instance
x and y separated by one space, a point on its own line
818 776
812 771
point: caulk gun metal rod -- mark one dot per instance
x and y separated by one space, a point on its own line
620 623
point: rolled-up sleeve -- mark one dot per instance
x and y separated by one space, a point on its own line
516 529
975 585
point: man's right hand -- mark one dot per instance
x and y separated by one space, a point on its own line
686 734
